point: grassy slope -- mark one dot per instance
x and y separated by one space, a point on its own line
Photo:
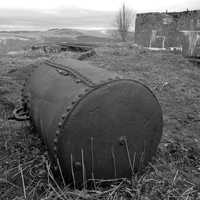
174 173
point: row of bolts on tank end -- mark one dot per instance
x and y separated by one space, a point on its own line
86 91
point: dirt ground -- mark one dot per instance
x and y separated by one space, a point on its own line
173 174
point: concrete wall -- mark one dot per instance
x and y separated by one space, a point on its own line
165 30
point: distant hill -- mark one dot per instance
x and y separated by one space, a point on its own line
64 31
15 41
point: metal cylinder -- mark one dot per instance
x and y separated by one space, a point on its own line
95 124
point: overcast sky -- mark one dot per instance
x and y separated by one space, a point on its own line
83 14
137 5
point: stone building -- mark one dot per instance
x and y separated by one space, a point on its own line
169 30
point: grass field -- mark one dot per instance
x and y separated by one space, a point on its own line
174 173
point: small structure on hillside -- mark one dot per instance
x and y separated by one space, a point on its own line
170 30
62 46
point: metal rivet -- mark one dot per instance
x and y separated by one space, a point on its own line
122 140
77 165
64 116
55 148
78 81
68 109
73 102
59 124
57 132
46 153
55 140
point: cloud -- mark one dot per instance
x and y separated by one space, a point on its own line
139 5
60 19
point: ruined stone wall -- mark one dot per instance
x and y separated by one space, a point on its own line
165 30
191 44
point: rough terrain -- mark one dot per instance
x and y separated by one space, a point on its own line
173 174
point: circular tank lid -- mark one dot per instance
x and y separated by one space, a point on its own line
112 132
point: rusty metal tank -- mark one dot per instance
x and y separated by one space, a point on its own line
96 124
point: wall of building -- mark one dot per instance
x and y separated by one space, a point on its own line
166 30
191 44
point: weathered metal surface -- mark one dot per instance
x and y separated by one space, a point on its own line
96 124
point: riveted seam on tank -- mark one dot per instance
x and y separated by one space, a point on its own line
69 109
74 103
116 78
79 78
108 81
64 117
